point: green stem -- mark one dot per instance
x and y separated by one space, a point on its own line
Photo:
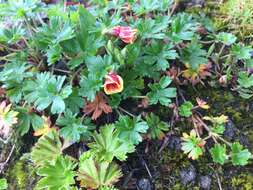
139 97
127 112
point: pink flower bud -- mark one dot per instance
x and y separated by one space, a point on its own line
125 33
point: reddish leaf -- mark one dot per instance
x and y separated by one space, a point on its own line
97 107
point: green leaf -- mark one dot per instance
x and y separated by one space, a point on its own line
146 6
156 127
89 86
186 109
99 66
226 38
218 128
183 27
58 175
239 156
160 93
218 153
245 80
241 51
3 183
159 53
26 119
47 89
193 55
47 149
58 105
13 78
108 145
131 129
53 54
86 21
73 127
153 28
74 102
93 174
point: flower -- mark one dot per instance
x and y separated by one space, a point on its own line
125 33
113 83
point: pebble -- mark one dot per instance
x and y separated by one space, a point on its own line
188 175
174 143
230 130
145 184
205 182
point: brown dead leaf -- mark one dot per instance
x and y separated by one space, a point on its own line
97 107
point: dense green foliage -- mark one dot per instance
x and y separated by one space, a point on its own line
66 69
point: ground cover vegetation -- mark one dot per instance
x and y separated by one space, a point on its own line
87 85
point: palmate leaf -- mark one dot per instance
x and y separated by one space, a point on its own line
241 52
89 86
146 6
108 145
160 93
156 127
94 175
3 184
131 129
159 53
26 119
245 80
47 90
74 102
193 55
186 109
73 127
218 153
239 156
183 27
13 78
57 176
47 149
226 38
153 28
97 107
192 145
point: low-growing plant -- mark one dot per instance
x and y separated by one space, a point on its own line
92 82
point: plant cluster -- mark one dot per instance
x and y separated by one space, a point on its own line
67 66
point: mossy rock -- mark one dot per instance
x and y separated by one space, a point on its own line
21 175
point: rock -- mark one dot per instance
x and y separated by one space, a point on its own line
244 141
188 175
145 184
205 182
191 3
174 143
230 130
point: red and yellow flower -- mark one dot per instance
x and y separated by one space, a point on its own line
113 83
125 33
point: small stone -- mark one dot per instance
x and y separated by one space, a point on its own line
174 143
191 3
188 175
230 130
145 184
205 182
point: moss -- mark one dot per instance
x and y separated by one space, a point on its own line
243 182
21 175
